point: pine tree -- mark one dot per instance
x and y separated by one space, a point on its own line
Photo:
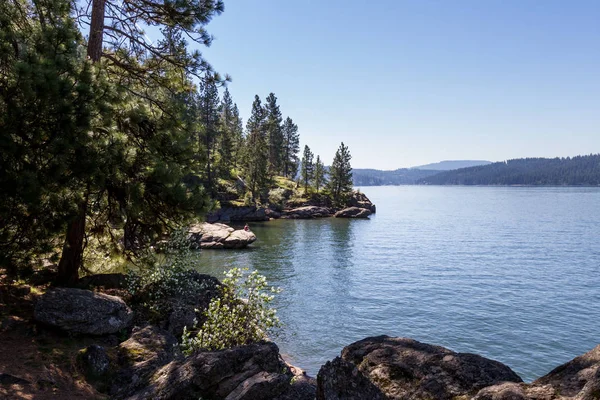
340 176
256 152
237 136
308 167
118 133
208 108
274 134
319 179
291 147
227 139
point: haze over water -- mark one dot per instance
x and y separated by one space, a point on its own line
510 273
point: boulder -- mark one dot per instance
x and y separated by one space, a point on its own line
578 378
82 311
307 212
341 380
252 372
360 200
353 212
139 357
220 236
94 361
407 369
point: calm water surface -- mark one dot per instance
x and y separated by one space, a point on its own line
508 273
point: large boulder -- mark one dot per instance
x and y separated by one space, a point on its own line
82 311
307 212
353 212
252 372
360 200
578 379
407 369
220 236
139 357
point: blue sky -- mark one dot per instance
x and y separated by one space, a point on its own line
404 83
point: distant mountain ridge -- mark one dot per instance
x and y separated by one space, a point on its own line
448 165
407 176
579 170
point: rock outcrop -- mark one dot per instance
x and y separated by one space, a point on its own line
353 212
252 372
82 311
578 379
220 236
407 369
139 357
307 212
360 200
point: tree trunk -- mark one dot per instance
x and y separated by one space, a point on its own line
94 50
72 254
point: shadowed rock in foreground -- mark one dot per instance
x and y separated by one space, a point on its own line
220 236
82 311
399 368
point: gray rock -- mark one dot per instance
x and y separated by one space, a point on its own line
341 380
578 378
406 369
82 311
139 357
251 372
360 200
307 212
94 361
220 236
353 212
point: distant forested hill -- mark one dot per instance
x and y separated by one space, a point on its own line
452 164
375 177
580 170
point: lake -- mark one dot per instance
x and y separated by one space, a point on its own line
510 273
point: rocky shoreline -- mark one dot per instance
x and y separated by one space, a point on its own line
358 206
145 363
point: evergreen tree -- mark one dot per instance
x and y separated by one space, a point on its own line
291 147
340 176
274 134
237 136
319 179
227 139
256 152
308 168
208 107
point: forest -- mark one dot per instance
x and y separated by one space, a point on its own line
111 139
579 170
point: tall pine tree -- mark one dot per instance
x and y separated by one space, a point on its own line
208 107
291 148
274 134
256 151
340 176
226 138
308 168
320 179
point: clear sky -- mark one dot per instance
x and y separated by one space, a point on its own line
404 83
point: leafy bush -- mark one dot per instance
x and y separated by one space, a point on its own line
164 272
240 315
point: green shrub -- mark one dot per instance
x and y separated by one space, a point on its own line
163 272
240 315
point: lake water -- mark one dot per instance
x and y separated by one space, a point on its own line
510 273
